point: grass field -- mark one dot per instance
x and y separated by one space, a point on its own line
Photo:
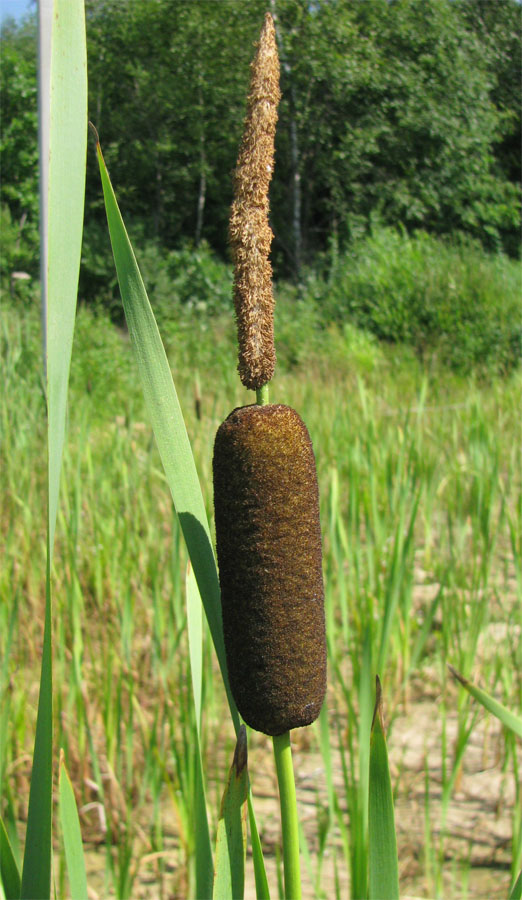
421 506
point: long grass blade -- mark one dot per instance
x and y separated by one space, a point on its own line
384 868
67 158
63 105
195 637
504 715
262 889
72 838
9 873
204 861
229 879
36 872
516 890
167 421
359 831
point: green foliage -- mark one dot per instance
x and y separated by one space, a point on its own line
63 112
19 149
406 110
18 257
18 143
9 874
71 835
99 368
441 297
192 278
119 562
498 27
167 420
120 627
384 874
394 105
444 299
168 84
231 838
508 719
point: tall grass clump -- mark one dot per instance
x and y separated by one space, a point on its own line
119 604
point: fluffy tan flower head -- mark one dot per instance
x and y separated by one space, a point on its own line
250 233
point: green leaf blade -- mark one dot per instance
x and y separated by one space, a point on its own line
384 868
229 878
504 715
9 873
36 871
167 422
203 847
72 837
262 888
64 224
516 890
175 451
63 105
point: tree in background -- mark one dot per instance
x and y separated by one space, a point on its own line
167 88
393 110
397 118
499 30
18 150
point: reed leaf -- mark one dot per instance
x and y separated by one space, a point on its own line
167 421
72 837
262 888
504 715
63 107
384 869
516 890
9 873
64 224
229 878
204 861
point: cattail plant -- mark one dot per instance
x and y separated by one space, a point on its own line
265 488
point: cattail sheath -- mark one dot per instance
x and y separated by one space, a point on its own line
249 231
269 554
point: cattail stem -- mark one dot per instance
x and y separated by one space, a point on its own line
289 819
262 395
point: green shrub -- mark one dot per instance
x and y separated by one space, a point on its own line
448 299
192 278
101 364
305 333
17 253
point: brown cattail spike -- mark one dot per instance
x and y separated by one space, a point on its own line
250 233
269 553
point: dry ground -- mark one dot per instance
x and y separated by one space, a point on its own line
478 827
